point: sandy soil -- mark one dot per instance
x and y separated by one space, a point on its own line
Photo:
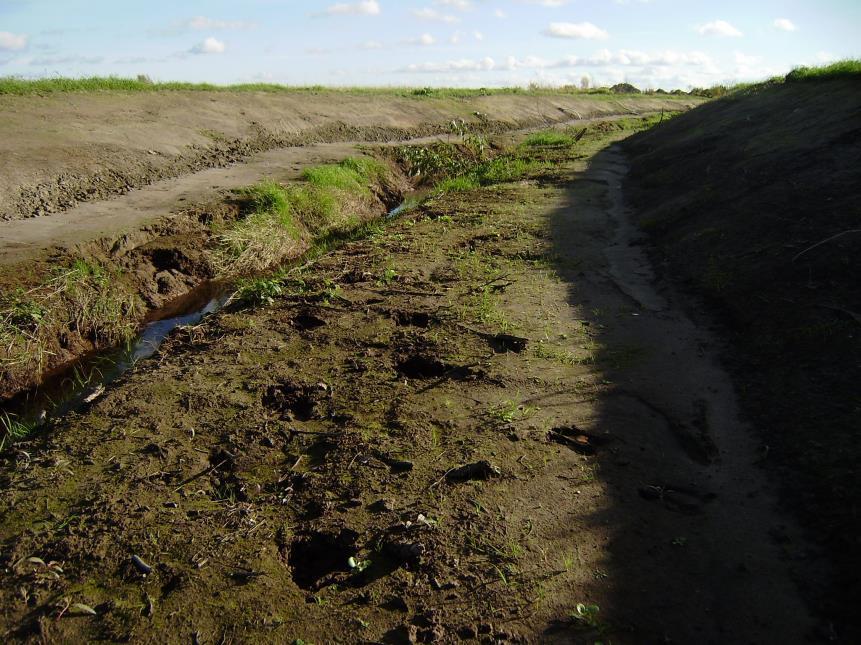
515 431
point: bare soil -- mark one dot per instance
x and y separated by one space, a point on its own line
489 422
62 149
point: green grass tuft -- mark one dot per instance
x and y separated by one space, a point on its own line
847 68
283 219
12 429
549 138
455 184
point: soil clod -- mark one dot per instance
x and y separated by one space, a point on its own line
479 470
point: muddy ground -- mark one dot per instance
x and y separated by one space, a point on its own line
487 422
136 183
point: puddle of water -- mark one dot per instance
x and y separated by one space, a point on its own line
70 386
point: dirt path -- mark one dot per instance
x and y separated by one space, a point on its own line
487 422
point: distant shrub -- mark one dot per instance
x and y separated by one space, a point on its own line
624 88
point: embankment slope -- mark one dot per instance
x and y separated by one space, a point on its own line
59 149
752 201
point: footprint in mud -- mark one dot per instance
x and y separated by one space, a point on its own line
317 557
424 366
411 318
307 321
679 499
296 401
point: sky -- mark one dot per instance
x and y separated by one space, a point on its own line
668 44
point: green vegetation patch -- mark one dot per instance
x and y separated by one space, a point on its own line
83 298
549 138
841 69
281 220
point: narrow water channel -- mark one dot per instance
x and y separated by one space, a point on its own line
71 386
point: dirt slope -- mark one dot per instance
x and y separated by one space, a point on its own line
753 202
59 149
490 410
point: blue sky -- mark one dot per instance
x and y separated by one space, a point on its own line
651 43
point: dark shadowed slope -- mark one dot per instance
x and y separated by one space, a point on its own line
752 201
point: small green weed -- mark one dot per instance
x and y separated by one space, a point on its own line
258 292
14 429
586 615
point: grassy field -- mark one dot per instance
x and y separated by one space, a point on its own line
20 86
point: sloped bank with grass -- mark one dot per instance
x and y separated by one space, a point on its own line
753 203
99 297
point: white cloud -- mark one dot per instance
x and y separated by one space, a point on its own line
366 7
668 59
478 35
209 46
499 13
547 3
50 61
371 44
12 42
585 30
424 40
202 23
718 28
464 64
784 24
460 5
427 13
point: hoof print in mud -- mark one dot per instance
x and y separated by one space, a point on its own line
405 552
412 318
306 321
479 470
296 401
504 343
425 366
316 559
679 499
